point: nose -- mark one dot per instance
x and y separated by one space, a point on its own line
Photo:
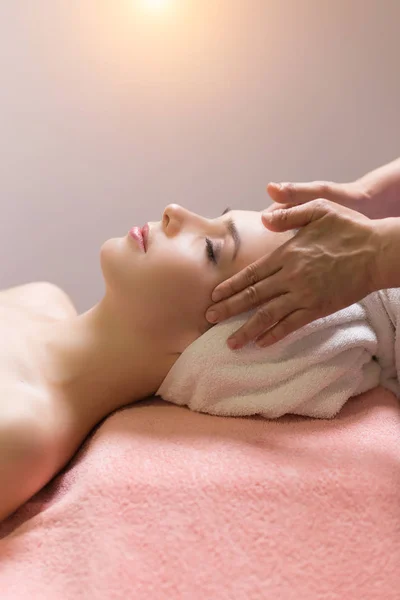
173 218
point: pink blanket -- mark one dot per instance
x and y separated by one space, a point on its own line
163 503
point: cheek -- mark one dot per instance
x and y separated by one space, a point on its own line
168 286
180 287
184 285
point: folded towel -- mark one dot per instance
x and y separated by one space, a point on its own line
312 372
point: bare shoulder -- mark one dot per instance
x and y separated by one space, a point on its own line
42 297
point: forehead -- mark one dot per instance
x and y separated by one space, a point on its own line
257 240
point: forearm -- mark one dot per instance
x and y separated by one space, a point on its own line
387 265
382 188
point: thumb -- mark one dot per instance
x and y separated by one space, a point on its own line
295 217
299 193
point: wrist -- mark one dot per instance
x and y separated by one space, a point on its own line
386 267
380 191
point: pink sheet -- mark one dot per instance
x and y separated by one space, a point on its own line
162 503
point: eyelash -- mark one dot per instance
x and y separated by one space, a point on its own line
209 247
210 251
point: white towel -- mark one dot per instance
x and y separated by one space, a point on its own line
311 372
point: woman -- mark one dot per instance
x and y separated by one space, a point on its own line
62 373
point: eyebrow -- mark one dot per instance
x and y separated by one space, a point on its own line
233 232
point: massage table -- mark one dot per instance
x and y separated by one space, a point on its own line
164 503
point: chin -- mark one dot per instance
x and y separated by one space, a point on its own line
117 246
115 260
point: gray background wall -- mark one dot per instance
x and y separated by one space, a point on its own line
108 112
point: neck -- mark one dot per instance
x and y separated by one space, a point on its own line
97 362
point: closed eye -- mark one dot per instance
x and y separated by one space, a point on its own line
210 251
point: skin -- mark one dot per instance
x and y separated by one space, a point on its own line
153 307
348 232
62 373
375 195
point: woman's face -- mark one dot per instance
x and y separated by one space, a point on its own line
168 288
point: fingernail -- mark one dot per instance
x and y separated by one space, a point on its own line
233 343
215 296
212 316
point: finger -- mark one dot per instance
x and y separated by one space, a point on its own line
249 276
275 206
266 316
247 299
289 324
296 216
299 193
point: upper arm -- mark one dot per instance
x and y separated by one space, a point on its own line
26 454
41 296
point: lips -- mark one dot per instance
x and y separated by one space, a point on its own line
145 236
140 235
136 234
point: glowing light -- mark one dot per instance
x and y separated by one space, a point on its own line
155 5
